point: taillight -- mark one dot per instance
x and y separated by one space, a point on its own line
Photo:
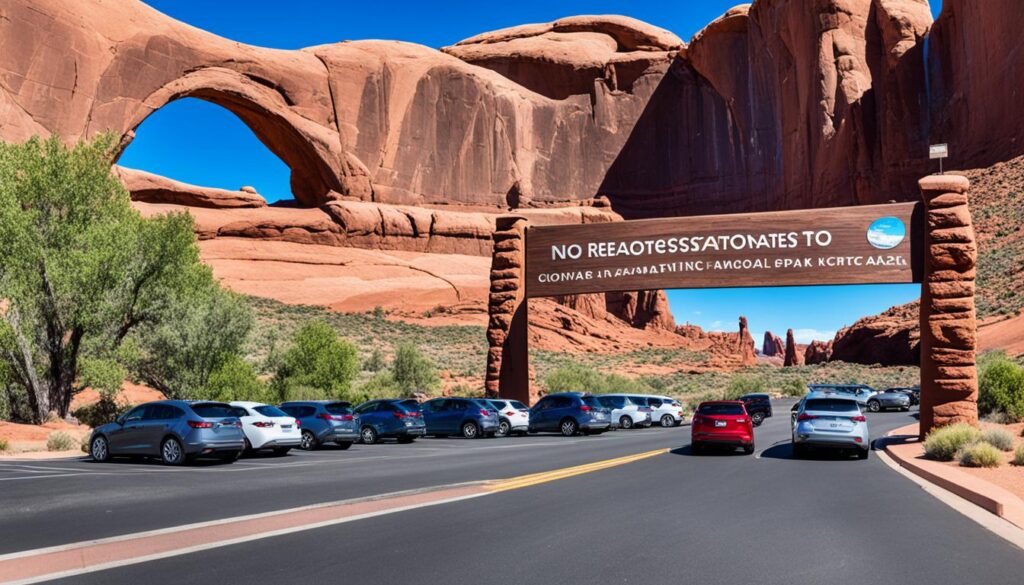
485 412
399 414
298 423
859 418
804 416
200 424
585 408
510 413
263 424
337 417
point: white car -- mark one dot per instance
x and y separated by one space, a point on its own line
513 416
268 427
626 412
667 411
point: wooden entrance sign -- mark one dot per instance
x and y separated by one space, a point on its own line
929 242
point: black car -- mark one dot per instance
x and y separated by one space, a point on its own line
759 406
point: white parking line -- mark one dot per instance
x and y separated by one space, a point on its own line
44 476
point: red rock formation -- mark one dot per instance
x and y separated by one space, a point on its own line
818 352
152 188
773 345
793 356
889 339
724 350
646 309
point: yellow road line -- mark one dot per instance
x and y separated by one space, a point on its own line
546 476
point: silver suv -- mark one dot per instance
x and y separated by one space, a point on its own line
830 420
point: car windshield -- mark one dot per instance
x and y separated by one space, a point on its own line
339 408
496 404
592 401
214 410
519 405
720 409
831 405
268 410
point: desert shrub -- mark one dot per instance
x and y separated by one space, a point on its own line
979 455
1018 456
4 445
412 371
794 387
104 410
60 441
999 438
84 444
741 384
1000 386
943 443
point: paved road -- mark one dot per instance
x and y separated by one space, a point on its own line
668 519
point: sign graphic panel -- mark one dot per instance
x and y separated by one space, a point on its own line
845 245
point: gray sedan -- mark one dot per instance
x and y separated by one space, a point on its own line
889 400
176 431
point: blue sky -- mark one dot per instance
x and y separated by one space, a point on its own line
197 142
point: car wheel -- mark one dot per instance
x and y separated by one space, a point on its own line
309 441
171 452
99 449
504 429
667 421
282 451
626 422
470 430
757 418
748 449
343 444
863 453
874 406
569 427
369 435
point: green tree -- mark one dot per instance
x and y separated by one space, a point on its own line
202 328
319 361
1000 386
235 379
412 371
80 269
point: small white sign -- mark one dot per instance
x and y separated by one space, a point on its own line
938 151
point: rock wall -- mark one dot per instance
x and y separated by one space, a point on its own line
976 70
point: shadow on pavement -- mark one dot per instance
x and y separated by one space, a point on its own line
785 451
709 451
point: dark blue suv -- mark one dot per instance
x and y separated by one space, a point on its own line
400 419
459 416
569 413
324 421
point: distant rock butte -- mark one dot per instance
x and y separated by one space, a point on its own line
818 352
773 345
890 338
794 356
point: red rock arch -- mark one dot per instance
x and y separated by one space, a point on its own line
320 170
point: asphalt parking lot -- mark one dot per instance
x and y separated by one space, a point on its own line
716 518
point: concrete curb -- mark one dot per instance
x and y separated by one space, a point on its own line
904 447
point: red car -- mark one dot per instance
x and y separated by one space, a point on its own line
723 422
